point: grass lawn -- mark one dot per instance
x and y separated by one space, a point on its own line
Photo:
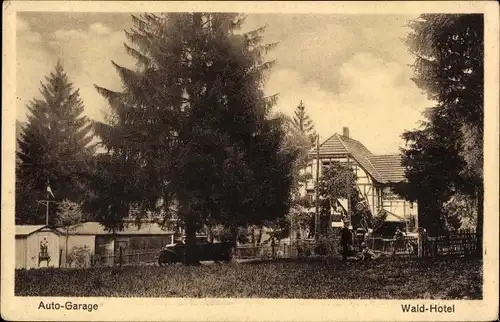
384 279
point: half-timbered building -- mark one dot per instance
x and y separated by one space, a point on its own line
375 178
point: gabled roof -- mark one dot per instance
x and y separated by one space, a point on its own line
382 168
95 228
331 146
25 230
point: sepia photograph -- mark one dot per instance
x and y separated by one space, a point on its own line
230 154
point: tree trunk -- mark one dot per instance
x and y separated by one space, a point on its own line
234 235
190 230
259 236
480 222
210 233
429 216
66 251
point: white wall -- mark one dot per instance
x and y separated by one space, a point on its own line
33 249
21 252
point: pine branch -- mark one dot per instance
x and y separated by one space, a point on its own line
142 59
130 78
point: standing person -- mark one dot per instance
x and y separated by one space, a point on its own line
273 247
399 241
345 241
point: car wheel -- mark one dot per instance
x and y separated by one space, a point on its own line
169 259
227 257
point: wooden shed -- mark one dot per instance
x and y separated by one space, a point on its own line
36 246
149 237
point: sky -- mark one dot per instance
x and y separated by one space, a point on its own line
349 70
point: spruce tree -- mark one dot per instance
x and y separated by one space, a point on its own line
303 123
445 157
193 126
53 149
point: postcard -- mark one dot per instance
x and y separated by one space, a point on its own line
250 161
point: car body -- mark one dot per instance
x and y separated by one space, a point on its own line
205 251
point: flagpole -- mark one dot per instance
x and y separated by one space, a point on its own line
47 214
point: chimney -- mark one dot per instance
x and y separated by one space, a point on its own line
345 132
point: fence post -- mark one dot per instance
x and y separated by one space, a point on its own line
420 245
60 256
121 257
464 244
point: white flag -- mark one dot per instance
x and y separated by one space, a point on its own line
50 191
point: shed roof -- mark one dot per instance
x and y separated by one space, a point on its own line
25 230
95 228
389 167
392 217
382 168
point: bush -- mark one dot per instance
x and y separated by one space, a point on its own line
79 257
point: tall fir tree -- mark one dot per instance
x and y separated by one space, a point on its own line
445 157
303 136
303 123
298 144
192 125
53 149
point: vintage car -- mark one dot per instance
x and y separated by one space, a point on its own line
205 251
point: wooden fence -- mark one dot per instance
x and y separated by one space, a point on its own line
460 243
299 248
122 257
265 251
407 246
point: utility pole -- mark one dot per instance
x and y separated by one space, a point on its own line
348 187
316 222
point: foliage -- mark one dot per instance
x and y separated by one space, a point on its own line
79 257
297 143
300 219
69 217
193 126
329 243
53 148
69 214
338 181
460 212
385 279
278 228
303 123
335 181
374 222
445 155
